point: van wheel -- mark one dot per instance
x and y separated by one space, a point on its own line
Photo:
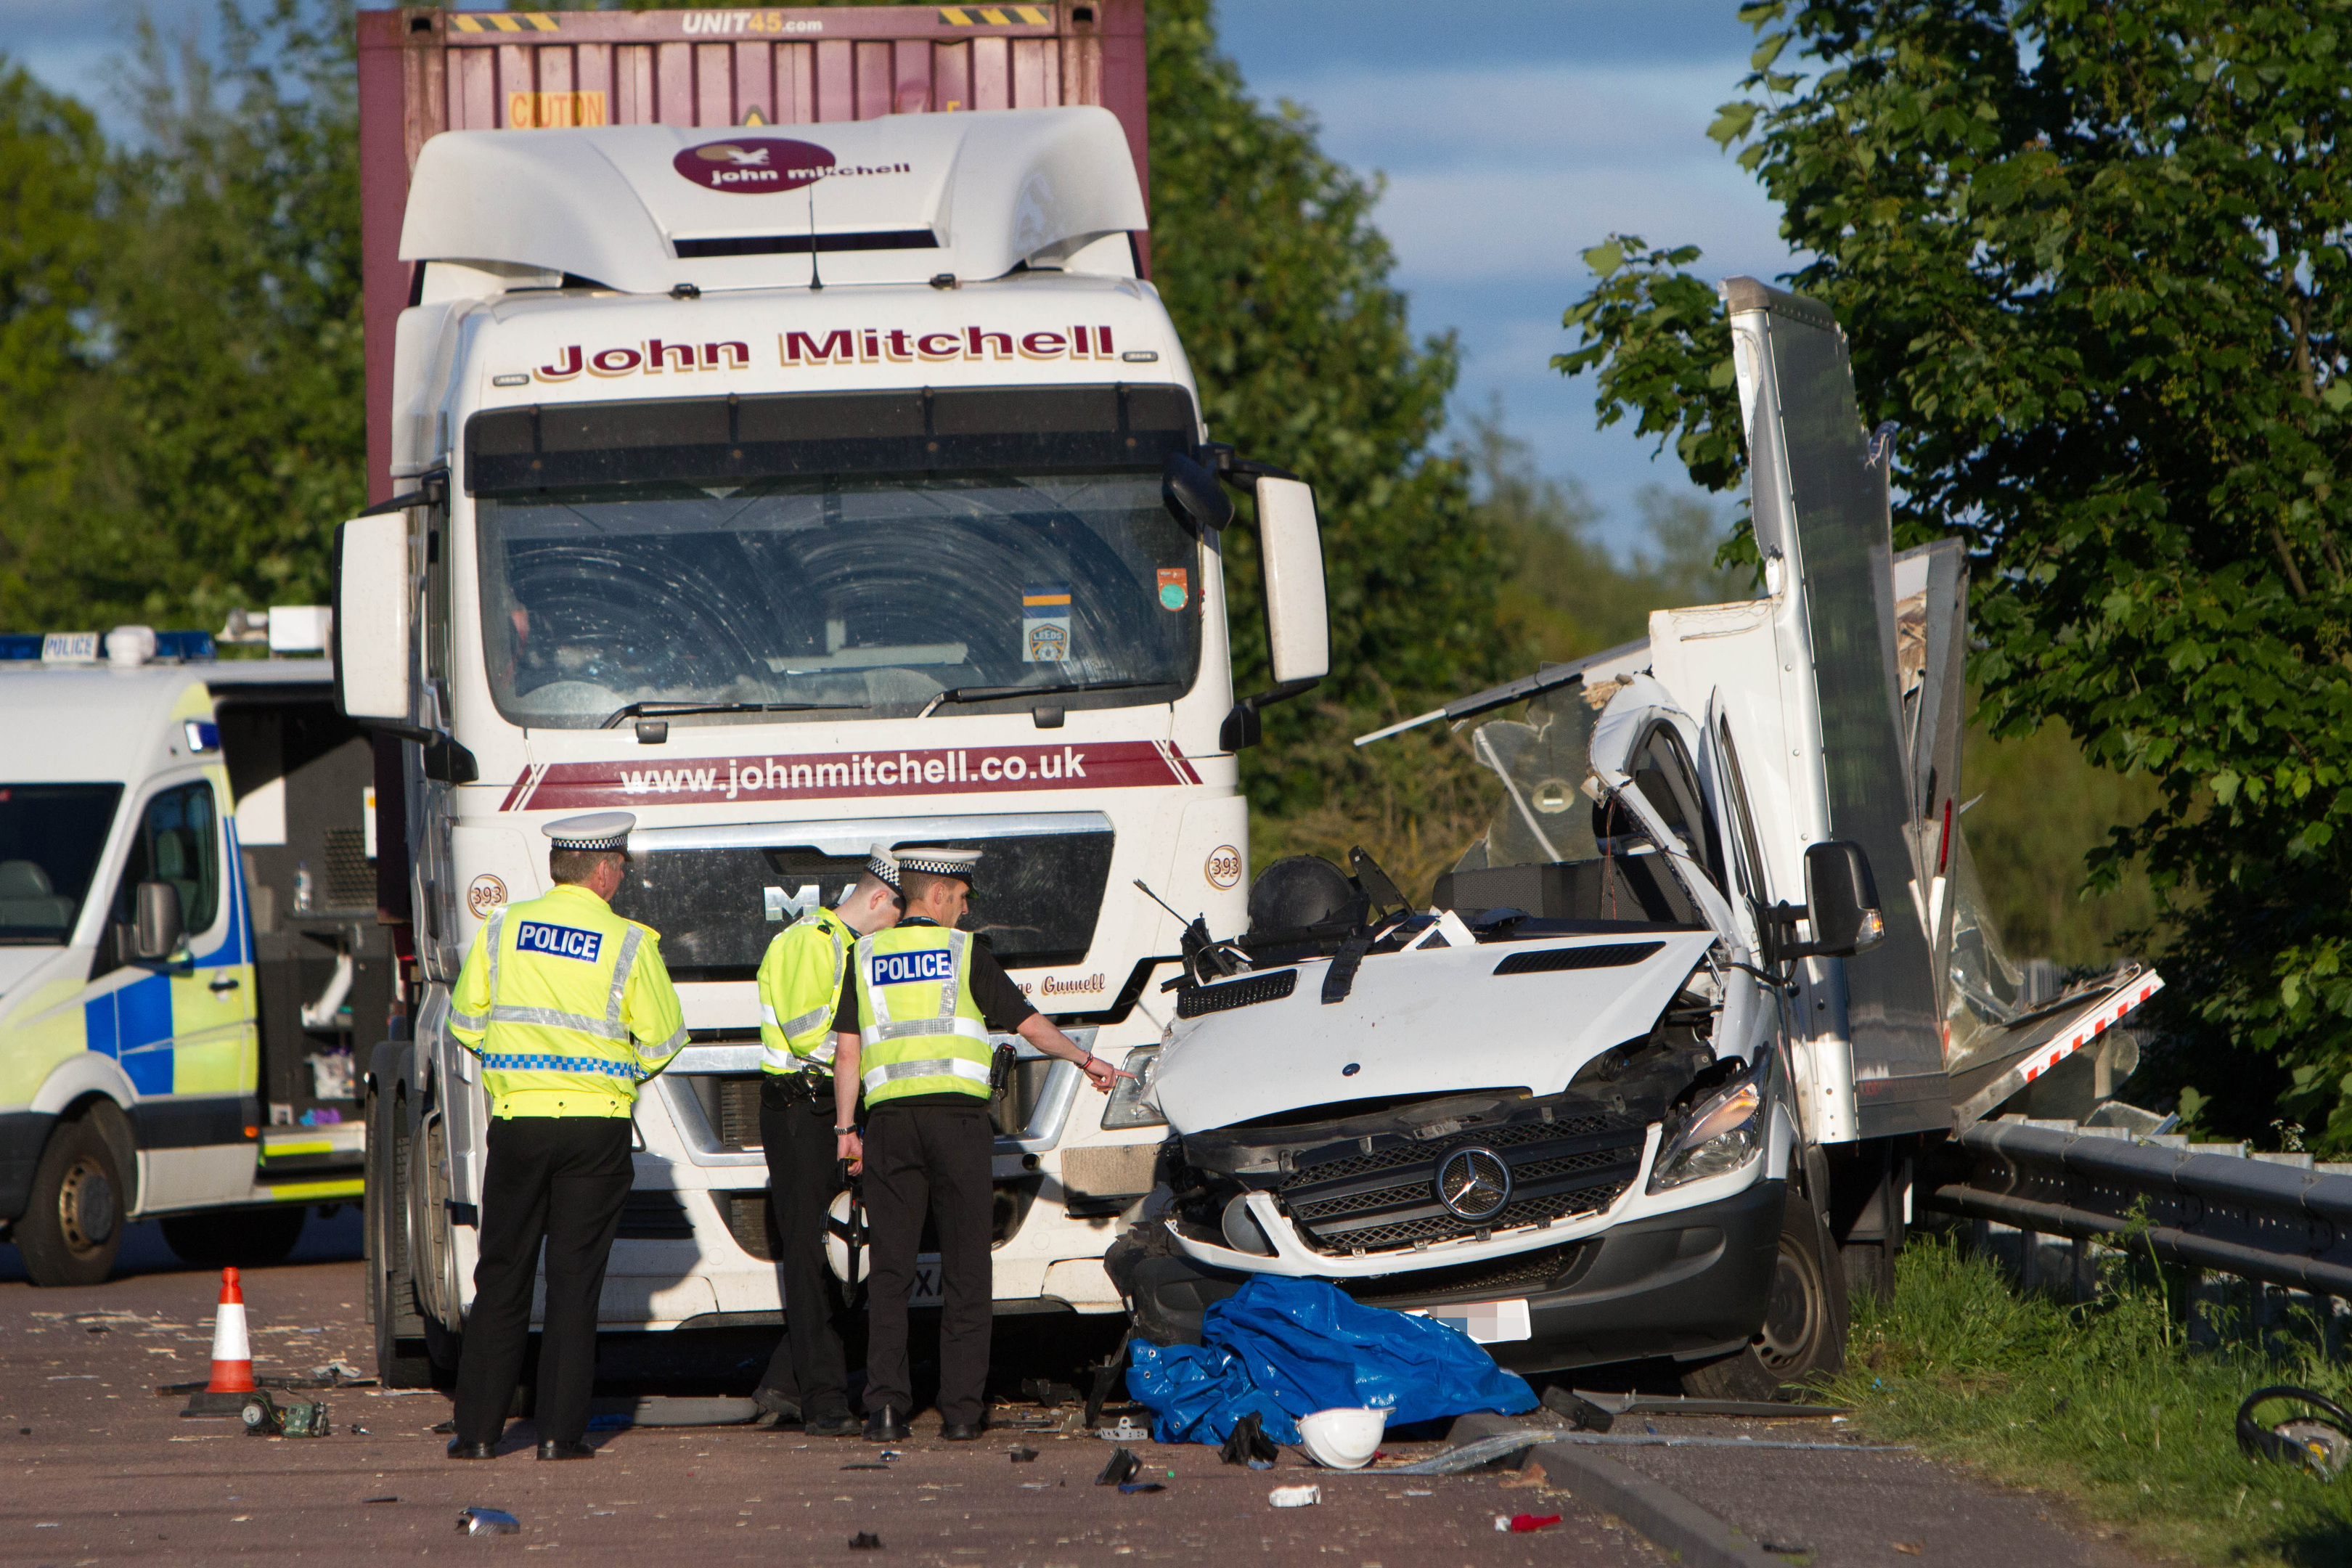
1803 1333
241 1238
73 1228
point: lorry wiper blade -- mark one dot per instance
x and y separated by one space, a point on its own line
990 693
668 710
1510 691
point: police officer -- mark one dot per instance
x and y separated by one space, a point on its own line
570 1008
913 1031
800 991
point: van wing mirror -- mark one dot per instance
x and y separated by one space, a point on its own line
1842 900
156 934
373 608
1297 618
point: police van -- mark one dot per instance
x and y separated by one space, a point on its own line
189 953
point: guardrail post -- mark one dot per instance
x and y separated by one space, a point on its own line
2208 1305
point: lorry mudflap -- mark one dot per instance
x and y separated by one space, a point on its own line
23 1134
1689 1284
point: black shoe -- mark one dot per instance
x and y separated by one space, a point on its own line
776 1403
551 1449
960 1431
841 1426
884 1426
461 1450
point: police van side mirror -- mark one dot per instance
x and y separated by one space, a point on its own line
155 930
1841 905
1297 617
371 617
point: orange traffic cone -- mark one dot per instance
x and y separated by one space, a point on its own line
232 1377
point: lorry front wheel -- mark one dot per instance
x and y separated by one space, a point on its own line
1803 1333
400 1359
73 1228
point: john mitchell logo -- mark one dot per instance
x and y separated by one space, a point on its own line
1474 1185
763 166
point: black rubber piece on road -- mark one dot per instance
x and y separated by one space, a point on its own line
1671 1522
241 1238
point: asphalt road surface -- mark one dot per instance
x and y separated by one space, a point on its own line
101 1469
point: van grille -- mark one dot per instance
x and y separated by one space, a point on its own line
1387 1198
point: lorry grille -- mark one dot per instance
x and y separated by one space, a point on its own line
1387 1198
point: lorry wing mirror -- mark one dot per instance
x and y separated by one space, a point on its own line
1194 494
1297 620
155 935
371 617
1842 900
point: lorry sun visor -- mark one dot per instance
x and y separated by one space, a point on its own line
802 244
791 434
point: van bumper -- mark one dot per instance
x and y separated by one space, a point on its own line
22 1135
1688 1284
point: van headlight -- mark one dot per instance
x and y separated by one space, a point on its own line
1132 1104
1717 1137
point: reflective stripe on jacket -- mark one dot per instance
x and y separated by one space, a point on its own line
923 1034
568 1004
800 988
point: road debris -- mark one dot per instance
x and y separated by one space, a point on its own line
2320 1443
865 1540
367 1501
487 1522
1023 1455
265 1417
1249 1445
1120 1470
1126 1431
1294 1497
1131 1488
1526 1523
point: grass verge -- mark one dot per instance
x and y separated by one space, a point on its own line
2105 1402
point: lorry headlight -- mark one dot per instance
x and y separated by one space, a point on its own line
1131 1099
1718 1137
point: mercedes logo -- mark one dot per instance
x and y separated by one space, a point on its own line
1474 1185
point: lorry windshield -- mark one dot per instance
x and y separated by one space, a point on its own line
813 554
51 835
841 592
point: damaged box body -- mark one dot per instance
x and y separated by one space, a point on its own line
1619 1089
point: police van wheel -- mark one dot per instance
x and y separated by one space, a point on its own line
245 1238
73 1228
1804 1327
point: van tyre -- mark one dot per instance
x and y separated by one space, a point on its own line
400 1358
1803 1333
242 1238
73 1227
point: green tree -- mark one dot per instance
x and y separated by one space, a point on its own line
1265 251
52 161
2092 254
231 305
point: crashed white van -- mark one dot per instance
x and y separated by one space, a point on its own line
1644 1075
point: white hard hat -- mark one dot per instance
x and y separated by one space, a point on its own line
1345 1439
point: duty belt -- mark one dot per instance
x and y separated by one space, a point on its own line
782 1089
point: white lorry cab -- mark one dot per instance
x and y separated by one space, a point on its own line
188 947
1649 1073
799 492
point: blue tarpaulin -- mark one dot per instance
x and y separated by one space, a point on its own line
1286 1348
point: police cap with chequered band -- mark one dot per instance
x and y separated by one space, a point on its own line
956 863
597 830
883 864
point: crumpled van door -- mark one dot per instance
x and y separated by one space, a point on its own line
1820 505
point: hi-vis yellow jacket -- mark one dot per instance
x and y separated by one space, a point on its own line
800 987
568 1004
922 1032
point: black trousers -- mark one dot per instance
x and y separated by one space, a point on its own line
560 1180
803 1175
930 1158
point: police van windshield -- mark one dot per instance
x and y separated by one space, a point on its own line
650 582
51 835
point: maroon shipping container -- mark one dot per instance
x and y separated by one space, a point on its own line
422 72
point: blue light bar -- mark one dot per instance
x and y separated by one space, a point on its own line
20 645
186 647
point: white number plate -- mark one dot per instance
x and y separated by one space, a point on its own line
1487 1322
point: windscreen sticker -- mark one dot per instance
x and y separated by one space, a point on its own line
1046 623
1175 587
849 775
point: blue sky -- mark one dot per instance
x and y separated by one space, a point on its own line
1513 134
